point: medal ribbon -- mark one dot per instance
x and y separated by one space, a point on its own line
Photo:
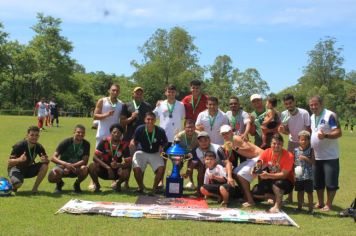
113 105
32 155
114 153
317 119
171 108
234 120
192 102
212 121
135 105
150 139
79 147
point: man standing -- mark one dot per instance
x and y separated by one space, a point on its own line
107 111
71 157
53 106
211 120
324 140
239 119
170 114
21 163
257 117
151 139
294 120
40 108
133 113
195 102
112 159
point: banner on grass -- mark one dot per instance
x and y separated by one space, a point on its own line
116 209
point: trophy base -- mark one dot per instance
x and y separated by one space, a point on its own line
174 186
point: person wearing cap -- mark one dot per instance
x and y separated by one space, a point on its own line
257 118
197 162
239 119
195 102
248 153
133 113
211 120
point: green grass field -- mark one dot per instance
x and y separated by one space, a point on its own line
25 214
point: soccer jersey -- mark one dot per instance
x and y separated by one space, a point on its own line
31 153
238 123
41 109
150 141
218 170
109 152
306 167
194 107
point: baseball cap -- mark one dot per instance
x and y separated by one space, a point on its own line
255 96
138 88
203 134
225 129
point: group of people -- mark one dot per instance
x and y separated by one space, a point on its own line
47 113
224 157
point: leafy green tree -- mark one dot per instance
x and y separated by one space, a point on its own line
169 57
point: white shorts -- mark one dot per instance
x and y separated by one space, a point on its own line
141 159
244 170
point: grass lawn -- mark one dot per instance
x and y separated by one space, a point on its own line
34 215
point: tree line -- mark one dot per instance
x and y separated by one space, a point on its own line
44 68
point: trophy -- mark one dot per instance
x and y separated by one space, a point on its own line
174 182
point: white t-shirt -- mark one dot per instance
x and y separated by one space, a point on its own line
218 171
172 125
242 119
104 124
214 130
324 149
41 109
296 123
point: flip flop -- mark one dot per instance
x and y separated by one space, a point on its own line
317 206
325 209
247 204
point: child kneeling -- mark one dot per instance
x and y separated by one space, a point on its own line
303 161
215 176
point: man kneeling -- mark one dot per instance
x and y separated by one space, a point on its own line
277 177
111 159
22 164
71 157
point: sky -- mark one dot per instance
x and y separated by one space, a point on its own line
273 36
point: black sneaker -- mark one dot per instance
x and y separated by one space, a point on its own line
59 186
76 187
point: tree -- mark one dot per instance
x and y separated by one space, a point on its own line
51 51
168 58
222 80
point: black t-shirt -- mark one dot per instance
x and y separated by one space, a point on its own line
234 158
127 110
22 147
160 139
72 153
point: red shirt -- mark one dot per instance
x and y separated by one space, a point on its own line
286 162
201 106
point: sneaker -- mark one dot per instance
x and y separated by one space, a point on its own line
76 187
190 185
59 186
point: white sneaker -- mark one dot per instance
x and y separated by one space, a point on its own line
190 185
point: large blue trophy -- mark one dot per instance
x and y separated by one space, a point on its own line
174 182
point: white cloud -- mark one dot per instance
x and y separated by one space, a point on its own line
260 40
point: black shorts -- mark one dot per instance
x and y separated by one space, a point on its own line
103 174
304 185
213 188
265 186
17 175
234 192
326 174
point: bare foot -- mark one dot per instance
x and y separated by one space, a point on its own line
273 210
325 208
318 206
247 204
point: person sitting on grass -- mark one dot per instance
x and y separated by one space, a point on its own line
303 161
215 176
21 163
271 120
278 178
71 157
112 159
